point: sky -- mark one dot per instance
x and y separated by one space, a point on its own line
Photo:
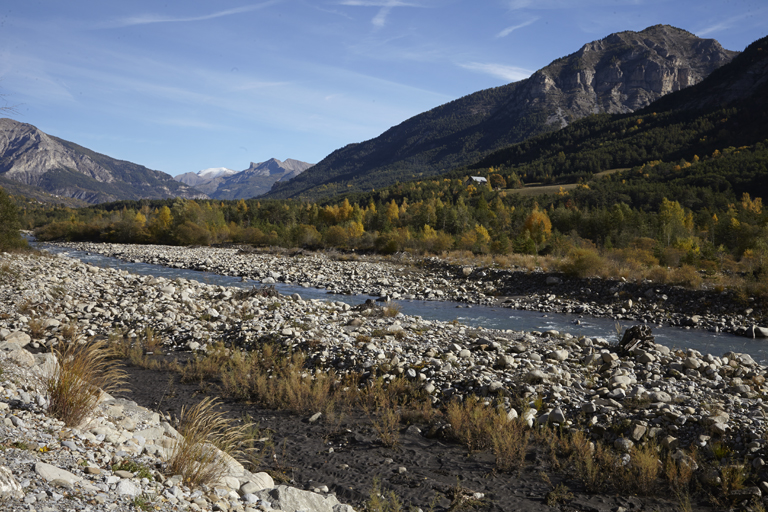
184 86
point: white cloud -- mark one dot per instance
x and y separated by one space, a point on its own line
147 19
509 73
729 23
509 30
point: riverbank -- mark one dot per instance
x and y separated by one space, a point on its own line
408 278
684 402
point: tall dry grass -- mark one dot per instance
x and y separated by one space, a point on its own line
207 443
85 371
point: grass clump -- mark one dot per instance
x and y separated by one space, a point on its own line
207 442
85 371
139 470
379 501
480 427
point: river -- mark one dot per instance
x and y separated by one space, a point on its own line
491 317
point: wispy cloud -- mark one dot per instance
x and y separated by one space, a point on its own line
509 73
729 23
509 30
147 19
385 7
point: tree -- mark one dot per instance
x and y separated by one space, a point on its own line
538 225
10 236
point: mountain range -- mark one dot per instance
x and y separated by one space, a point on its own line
223 183
618 74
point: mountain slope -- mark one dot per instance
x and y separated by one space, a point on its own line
620 73
256 179
728 108
60 167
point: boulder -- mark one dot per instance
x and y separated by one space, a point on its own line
290 499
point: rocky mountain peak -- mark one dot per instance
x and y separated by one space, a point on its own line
620 73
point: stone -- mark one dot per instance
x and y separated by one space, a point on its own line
290 499
9 487
623 444
127 487
19 338
50 473
637 431
557 416
558 355
670 442
258 482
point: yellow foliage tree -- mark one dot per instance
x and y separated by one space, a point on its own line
538 226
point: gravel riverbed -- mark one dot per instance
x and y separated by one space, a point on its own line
620 394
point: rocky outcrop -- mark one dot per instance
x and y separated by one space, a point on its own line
59 167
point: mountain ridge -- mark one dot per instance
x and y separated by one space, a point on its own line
255 180
619 73
62 168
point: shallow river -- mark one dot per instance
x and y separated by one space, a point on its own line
476 316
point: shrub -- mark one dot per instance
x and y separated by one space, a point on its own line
686 276
583 263
84 372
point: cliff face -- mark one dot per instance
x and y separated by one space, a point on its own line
62 168
620 73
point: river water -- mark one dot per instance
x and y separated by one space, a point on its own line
491 317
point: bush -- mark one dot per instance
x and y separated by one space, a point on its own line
84 372
686 276
190 233
583 263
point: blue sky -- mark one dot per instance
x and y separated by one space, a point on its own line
182 86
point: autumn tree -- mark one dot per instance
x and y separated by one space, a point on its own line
538 226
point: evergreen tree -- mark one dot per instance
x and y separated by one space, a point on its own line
10 237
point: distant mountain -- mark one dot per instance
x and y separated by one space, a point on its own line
618 74
222 183
55 166
207 180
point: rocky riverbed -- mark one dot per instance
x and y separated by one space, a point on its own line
434 279
621 394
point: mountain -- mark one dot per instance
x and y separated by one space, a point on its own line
207 180
255 180
204 176
728 108
62 168
618 74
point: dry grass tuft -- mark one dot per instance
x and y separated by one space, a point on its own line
207 442
84 372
